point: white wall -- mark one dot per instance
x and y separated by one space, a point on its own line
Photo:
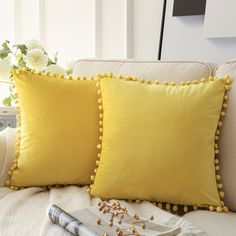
111 29
184 40
7 29
69 27
146 28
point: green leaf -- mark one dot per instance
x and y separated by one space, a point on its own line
5 49
51 62
22 48
6 101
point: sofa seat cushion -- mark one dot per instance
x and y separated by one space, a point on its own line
215 224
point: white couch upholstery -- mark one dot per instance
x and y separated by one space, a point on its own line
213 223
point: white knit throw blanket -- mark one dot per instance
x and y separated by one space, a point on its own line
23 212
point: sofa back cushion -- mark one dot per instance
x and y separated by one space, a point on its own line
151 70
228 138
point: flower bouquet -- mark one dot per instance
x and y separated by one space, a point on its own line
30 55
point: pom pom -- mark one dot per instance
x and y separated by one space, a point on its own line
99 155
173 84
220 123
216 146
84 78
218 209
222 203
211 208
110 75
217 151
222 113
101 116
99 92
226 97
100 107
159 205
217 168
182 83
222 194
175 208
225 209
9 173
99 76
195 208
100 130
78 78
95 171
92 177
166 83
167 206
216 137
195 82
188 82
185 209
99 146
100 137
18 116
88 190
99 100
157 82
218 177
97 163
142 80
219 186
203 80
100 123
211 78
217 132
225 105
227 87
138 201
69 77
149 82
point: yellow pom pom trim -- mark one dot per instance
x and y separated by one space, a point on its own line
175 208
167 206
218 177
185 209
218 209
211 208
222 194
219 186
159 205
225 209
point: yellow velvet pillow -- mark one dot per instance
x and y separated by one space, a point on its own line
59 131
158 142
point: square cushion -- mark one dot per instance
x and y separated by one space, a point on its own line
59 130
159 141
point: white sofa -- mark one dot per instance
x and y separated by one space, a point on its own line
215 224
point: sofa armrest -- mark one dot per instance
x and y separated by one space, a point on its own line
7 152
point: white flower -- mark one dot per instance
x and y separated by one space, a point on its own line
36 59
55 69
5 68
32 44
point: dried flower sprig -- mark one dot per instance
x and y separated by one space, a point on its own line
120 214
